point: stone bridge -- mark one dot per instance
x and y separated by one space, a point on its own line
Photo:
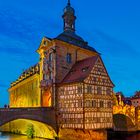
126 118
43 115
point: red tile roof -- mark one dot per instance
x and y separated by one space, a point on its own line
80 70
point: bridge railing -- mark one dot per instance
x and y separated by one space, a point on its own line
27 109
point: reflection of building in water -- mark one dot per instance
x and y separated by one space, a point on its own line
71 77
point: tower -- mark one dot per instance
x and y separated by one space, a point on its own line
69 18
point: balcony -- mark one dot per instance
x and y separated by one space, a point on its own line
44 84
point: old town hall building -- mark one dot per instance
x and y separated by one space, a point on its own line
70 77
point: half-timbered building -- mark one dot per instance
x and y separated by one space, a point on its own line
70 77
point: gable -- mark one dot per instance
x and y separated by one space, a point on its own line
46 42
99 75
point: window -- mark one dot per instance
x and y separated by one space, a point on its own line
101 104
109 104
79 89
68 58
85 69
80 104
50 57
94 79
51 75
89 89
45 77
88 103
108 91
93 103
44 42
99 90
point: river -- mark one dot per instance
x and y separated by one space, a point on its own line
7 136
4 136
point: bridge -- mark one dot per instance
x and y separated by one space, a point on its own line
126 118
42 115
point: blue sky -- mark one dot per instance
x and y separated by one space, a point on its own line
111 27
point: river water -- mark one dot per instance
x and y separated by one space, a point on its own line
6 136
20 137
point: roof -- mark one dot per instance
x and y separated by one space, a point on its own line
136 96
27 73
80 70
72 38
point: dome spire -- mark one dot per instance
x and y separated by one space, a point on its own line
69 18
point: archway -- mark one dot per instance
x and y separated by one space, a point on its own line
21 125
122 123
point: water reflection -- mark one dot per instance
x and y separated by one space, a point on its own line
130 137
6 136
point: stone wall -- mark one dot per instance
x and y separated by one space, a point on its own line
71 134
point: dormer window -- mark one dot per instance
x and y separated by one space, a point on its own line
68 58
84 69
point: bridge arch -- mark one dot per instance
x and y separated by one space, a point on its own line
43 115
21 125
123 123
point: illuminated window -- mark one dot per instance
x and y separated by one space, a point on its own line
88 103
68 58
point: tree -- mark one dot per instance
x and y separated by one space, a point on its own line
30 131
